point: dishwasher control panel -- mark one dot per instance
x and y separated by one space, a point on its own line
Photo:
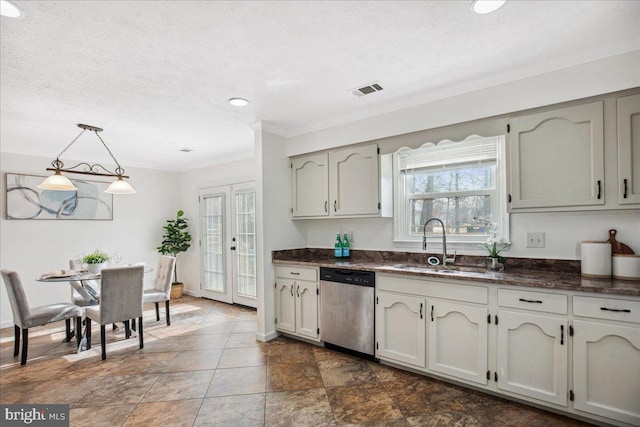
351 277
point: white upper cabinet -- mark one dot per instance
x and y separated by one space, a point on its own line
557 158
354 181
341 183
629 149
310 185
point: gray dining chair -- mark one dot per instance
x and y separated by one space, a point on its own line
161 287
120 301
25 317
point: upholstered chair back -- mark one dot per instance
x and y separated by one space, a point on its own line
164 274
17 298
121 294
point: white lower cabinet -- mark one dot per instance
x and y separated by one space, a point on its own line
296 302
458 340
400 329
285 306
606 370
532 356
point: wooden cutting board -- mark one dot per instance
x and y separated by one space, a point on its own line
617 247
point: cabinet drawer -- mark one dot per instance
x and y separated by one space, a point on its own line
607 308
299 273
535 301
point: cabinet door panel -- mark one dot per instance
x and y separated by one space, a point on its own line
285 306
606 370
532 356
400 329
310 186
353 181
307 309
629 149
557 158
458 345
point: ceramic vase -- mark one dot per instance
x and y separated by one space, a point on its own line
494 264
95 268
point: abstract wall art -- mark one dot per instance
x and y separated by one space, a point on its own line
26 201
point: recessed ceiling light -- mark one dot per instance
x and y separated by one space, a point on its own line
482 7
9 9
238 102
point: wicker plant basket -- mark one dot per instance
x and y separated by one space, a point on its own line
176 290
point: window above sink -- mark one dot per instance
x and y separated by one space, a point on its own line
461 182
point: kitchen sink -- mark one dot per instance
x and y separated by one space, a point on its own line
446 269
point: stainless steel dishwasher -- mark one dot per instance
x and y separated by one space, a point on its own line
347 307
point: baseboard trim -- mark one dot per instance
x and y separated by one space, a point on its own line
266 337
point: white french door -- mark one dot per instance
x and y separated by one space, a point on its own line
228 244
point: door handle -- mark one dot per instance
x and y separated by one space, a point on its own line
233 248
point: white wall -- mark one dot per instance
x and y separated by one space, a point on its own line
274 227
33 247
564 230
191 183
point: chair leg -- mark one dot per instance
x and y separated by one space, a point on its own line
16 340
166 309
140 332
133 324
114 327
88 333
78 330
157 312
127 330
103 341
25 343
67 329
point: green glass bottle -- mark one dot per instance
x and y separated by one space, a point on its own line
346 250
338 247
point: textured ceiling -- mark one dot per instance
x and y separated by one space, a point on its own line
156 75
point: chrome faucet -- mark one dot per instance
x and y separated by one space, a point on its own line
444 241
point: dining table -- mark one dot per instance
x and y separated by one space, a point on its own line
81 276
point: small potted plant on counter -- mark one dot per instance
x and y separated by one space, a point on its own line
176 239
95 261
494 245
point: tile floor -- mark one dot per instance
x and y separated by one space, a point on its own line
207 369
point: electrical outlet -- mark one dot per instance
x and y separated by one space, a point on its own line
535 239
350 235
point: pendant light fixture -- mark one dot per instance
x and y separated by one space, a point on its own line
59 182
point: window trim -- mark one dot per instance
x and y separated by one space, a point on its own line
470 245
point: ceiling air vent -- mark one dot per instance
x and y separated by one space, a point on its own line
186 150
366 90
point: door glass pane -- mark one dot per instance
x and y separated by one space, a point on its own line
246 244
213 235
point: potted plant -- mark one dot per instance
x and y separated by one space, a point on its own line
494 245
95 261
176 239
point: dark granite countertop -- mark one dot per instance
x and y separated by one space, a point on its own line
535 273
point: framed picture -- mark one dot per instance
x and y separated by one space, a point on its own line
26 201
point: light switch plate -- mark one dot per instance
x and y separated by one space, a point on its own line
535 239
